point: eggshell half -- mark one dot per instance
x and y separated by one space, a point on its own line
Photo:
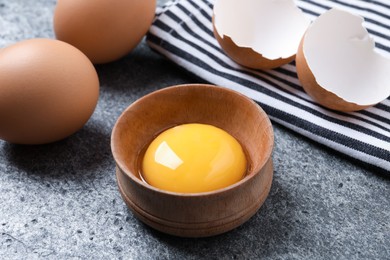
104 30
338 66
247 56
259 34
48 91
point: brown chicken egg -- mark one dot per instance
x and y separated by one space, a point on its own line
104 30
338 66
48 91
259 34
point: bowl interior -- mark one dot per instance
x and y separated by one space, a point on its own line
142 121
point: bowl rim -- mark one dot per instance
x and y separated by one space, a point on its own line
146 185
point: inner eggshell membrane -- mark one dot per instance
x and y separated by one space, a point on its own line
342 57
272 28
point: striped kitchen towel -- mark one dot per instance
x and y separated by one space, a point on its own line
182 31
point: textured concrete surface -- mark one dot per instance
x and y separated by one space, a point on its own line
60 201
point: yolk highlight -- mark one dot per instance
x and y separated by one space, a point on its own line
193 158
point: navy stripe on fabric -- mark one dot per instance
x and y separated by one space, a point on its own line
327 7
384 107
380 4
314 129
362 8
196 20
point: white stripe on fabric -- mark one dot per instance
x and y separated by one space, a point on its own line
372 160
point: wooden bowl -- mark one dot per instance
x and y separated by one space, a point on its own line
193 214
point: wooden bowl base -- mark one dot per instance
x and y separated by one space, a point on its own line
200 229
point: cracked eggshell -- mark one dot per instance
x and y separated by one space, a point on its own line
338 66
259 34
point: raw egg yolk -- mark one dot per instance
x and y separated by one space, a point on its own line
193 158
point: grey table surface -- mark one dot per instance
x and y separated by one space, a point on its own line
60 201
